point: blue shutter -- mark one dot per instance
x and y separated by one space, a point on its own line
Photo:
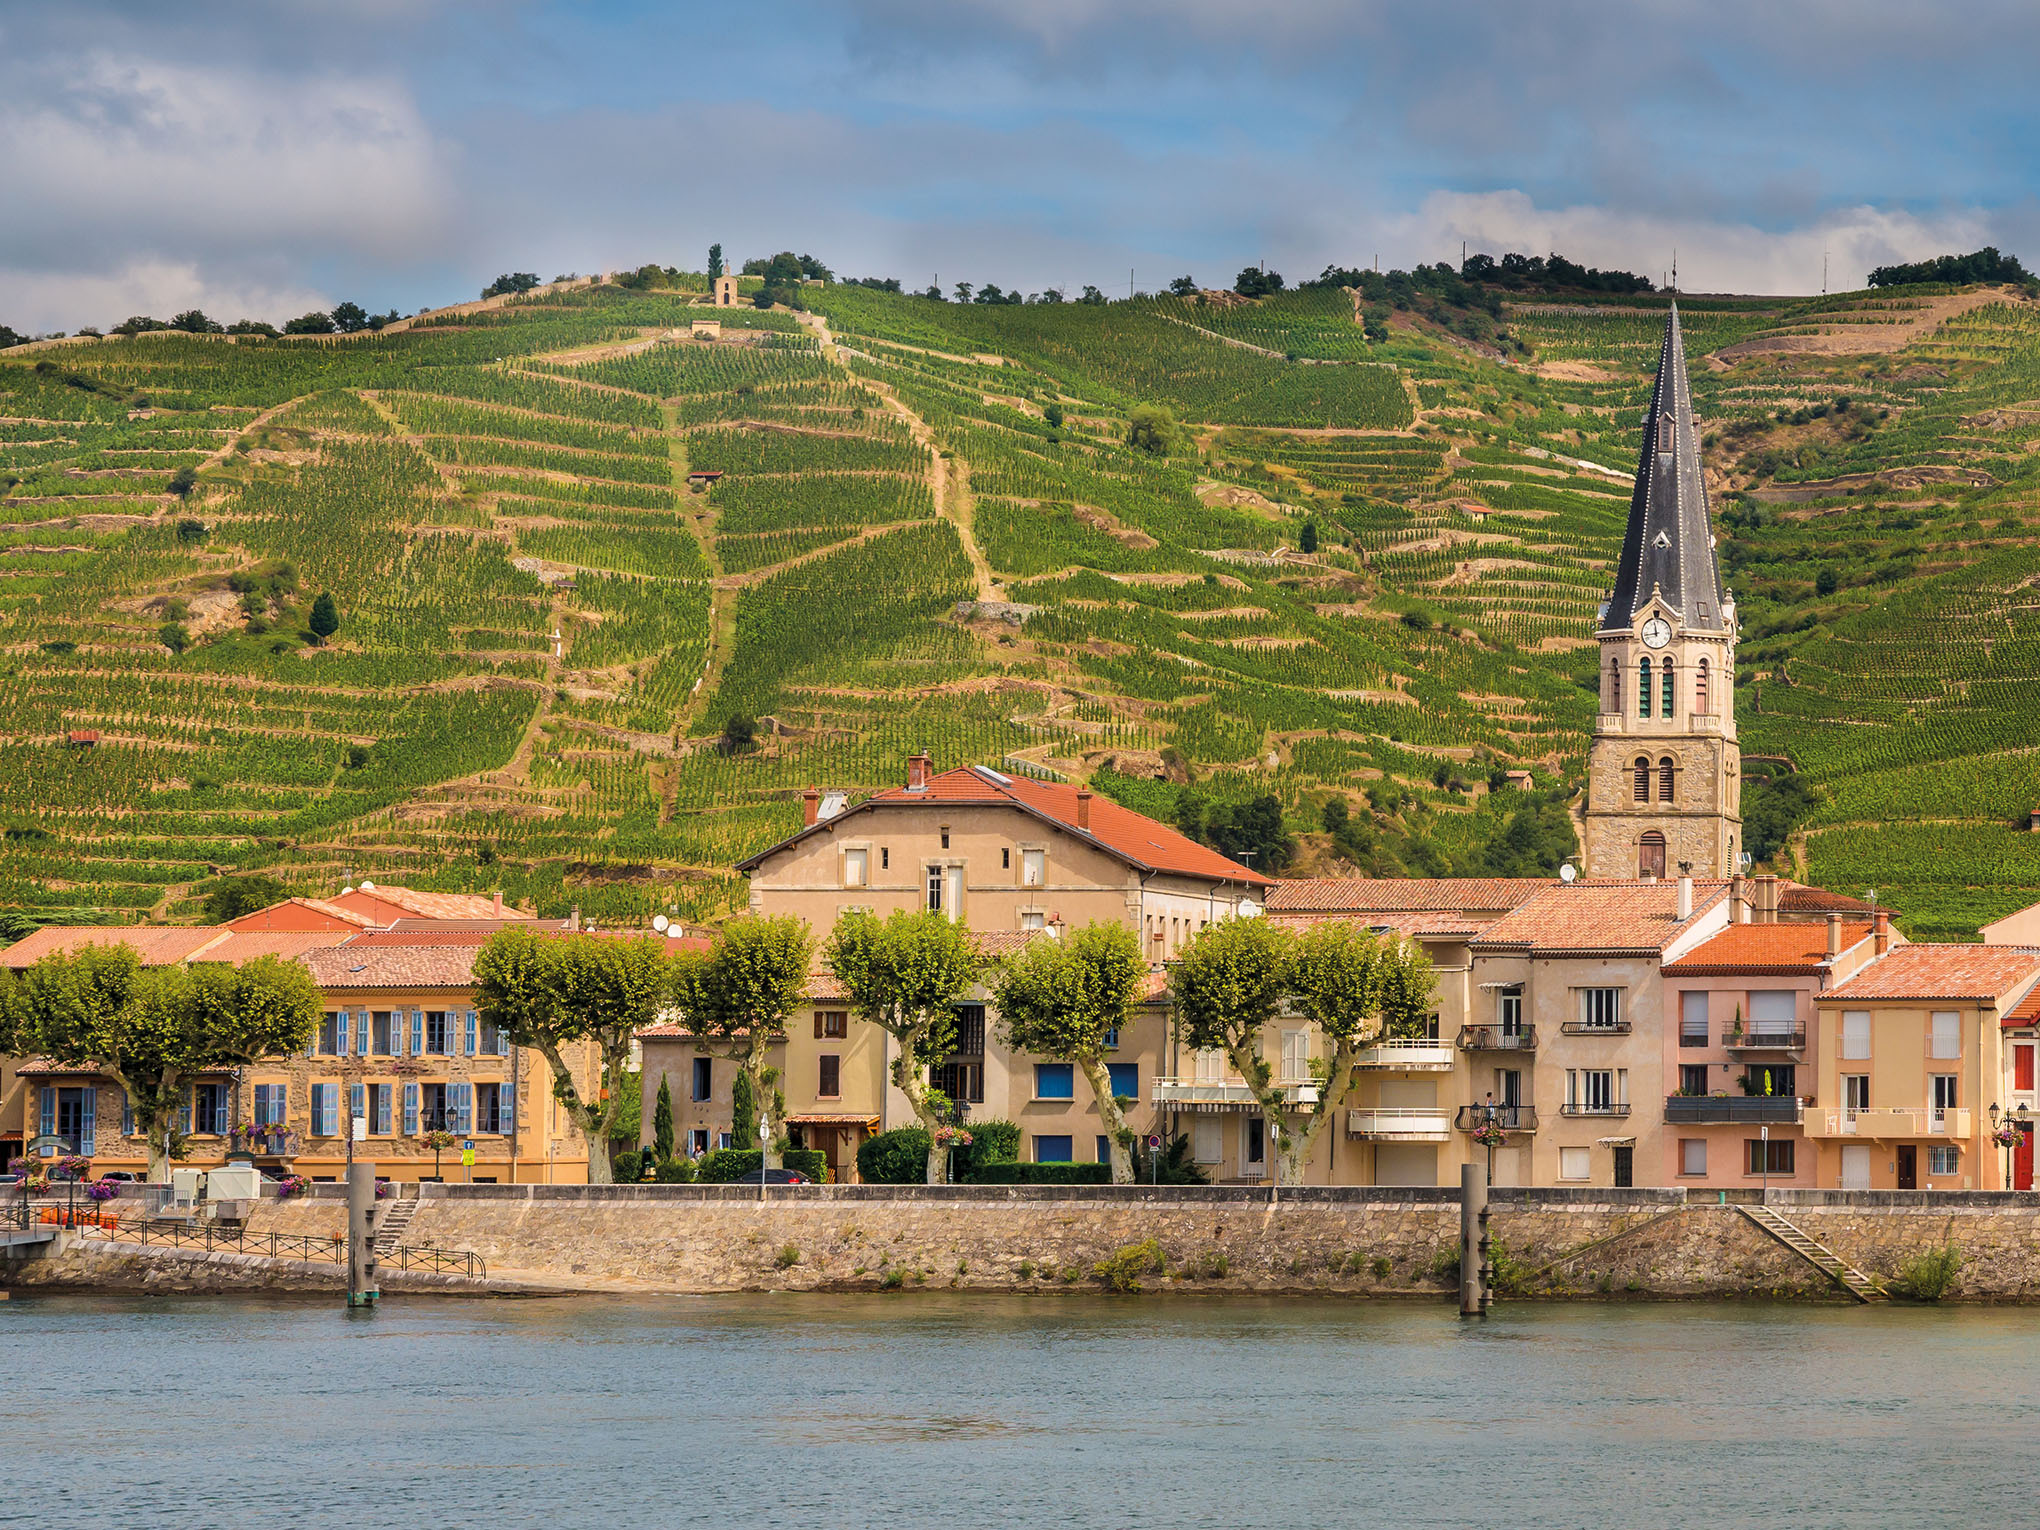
221 1120
127 1114
470 1033
88 1126
340 1033
1104 1149
1125 1079
464 1107
410 1110
49 1111
362 1028
357 1105
187 1114
506 1109
502 1042
417 1033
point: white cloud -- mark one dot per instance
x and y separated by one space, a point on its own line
40 301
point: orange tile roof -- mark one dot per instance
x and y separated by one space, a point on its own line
351 966
436 905
265 918
241 945
1615 917
157 944
1133 837
2026 1013
1768 949
1942 972
1798 898
1438 923
1368 895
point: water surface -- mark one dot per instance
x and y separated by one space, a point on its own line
923 1409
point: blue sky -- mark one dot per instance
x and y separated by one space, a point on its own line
267 156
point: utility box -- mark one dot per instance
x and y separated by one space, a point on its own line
234 1182
185 1185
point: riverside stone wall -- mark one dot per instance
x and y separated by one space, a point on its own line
1348 1241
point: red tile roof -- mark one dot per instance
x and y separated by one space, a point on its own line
239 946
1798 898
158 944
1438 923
1943 972
2026 1013
1369 895
428 905
282 914
1591 917
1133 837
1764 949
352 966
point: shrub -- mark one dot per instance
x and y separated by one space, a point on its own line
675 1171
786 1258
1381 1267
189 530
1122 1268
174 636
628 1167
897 1157
183 481
991 1142
1210 1266
1444 1266
725 1165
1042 1174
1929 1277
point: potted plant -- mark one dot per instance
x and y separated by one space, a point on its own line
1489 1134
291 1185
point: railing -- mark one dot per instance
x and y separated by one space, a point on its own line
316 1247
1510 1118
280 1143
441 1260
1767 1040
1594 1110
1492 1038
1408 1056
1593 1028
1730 1110
1917 1121
1205 1091
1413 1122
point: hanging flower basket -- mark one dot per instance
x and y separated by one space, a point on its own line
291 1185
101 1190
1490 1134
2007 1136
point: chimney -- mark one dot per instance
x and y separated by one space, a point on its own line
1883 931
574 918
1738 899
497 908
1766 899
1685 897
810 807
919 768
1084 809
1834 944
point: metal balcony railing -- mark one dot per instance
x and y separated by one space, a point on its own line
1510 1118
1766 1039
1593 1028
1731 1110
1492 1038
1594 1110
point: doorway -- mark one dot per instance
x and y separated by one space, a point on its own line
1856 1167
1908 1166
2022 1160
1625 1167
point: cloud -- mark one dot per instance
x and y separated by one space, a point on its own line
41 301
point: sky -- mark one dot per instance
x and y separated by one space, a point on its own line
262 158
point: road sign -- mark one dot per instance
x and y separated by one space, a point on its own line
468 1145
1153 1143
467 1158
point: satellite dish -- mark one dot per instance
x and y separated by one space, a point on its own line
1249 908
366 885
1568 872
347 889
660 922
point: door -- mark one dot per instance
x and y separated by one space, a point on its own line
2022 1160
1625 1167
1856 1167
1908 1166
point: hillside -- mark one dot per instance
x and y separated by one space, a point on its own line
472 483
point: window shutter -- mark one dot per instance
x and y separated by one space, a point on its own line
362 1029
357 1105
417 1033
340 1034
127 1114
502 1042
49 1111
506 1109
187 1115
470 1036
89 1121
818 1025
410 1110
464 1107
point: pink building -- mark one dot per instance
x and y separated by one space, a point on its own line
1739 1049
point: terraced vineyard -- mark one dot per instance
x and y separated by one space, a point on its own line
546 624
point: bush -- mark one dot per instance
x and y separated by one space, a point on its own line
1122 1268
897 1157
189 531
1041 1174
991 1142
675 1171
627 1168
1445 1265
726 1165
1929 1277
174 636
786 1258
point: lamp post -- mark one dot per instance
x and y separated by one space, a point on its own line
1491 1123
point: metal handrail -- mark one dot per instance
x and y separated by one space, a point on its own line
1492 1038
1593 1110
1588 1028
1747 1039
320 1247
1510 1118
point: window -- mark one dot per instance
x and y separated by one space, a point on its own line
1104 1148
1614 687
1005 858
970 1029
1855 1092
945 836
1650 855
1700 689
2022 1068
379 1109
1575 1163
1642 788
1776 1080
1941 1090
385 1035
935 889
325 1110
1034 920
1947 1034
1509 1009
1033 868
1771 1157
1125 1080
1943 1159
884 858
1597 1089
1693 1078
1774 1012
697 1141
1692 1155
1643 688
1664 432
209 1108
1207 1139
1054 1081
269 1104
1054 1150
1693 1020
829 1075
856 868
702 1078
1295 1055
495 1040
329 1034
1600 1008
1856 1034
1667 772
438 1108
357 1106
1668 691
438 1033
1254 1141
832 1024
495 1108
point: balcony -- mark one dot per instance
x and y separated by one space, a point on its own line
1226 1094
1408 1057
1611 1111
1401 1124
1510 1118
1731 1110
1492 1038
1767 1039
1593 1028
1889 1125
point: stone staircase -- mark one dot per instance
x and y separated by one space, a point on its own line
1852 1280
390 1227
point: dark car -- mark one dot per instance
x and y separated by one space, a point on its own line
771 1177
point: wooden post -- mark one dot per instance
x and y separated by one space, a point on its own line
1473 1212
361 1286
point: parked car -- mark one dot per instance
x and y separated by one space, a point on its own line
771 1177
121 1177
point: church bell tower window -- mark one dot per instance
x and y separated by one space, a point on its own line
1670 693
1643 688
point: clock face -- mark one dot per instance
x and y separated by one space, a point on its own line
1656 632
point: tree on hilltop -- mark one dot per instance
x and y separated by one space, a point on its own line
350 318
324 620
314 323
140 324
1253 282
715 267
1984 265
510 284
1183 286
10 337
1092 296
194 322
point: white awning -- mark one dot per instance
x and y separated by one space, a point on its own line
1616 1141
1518 983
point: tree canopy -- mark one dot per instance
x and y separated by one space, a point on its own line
743 994
1984 265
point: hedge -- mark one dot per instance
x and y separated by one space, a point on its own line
897 1157
1041 1174
724 1165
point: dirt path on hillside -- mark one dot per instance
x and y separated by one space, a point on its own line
1838 337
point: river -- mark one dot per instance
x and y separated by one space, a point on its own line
927 1409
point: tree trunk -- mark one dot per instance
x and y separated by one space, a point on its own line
909 1075
1099 1077
761 1097
159 1152
599 1170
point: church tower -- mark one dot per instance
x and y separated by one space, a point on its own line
1664 775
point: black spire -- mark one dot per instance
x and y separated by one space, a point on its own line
1669 546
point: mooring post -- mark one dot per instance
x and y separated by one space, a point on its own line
1473 1243
361 1287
